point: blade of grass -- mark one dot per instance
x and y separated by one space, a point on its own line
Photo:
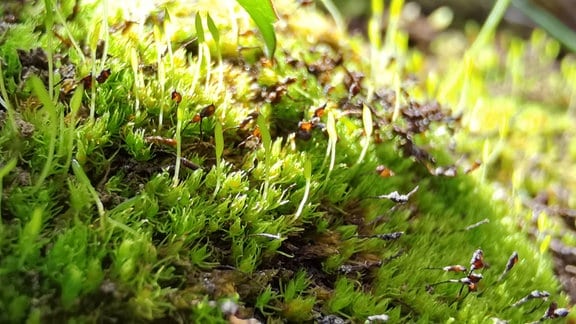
548 22
264 15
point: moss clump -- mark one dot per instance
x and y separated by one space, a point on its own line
147 178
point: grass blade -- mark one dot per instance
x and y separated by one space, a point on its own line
264 15
548 22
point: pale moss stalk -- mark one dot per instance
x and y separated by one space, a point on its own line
73 41
375 39
93 48
138 82
308 177
336 15
267 145
104 34
180 118
219 143
331 147
368 129
161 74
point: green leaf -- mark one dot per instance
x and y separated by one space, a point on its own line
76 100
264 15
265 132
84 180
548 22
199 28
29 235
213 29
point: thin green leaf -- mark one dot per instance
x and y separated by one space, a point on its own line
44 97
199 28
7 168
548 22
332 139
29 234
83 179
213 29
76 100
264 15
265 132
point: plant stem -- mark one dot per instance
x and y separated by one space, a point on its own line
83 178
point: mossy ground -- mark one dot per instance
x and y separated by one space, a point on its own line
122 203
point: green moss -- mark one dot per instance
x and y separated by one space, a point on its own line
126 204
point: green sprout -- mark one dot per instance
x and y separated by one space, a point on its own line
53 118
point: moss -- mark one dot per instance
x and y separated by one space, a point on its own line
141 206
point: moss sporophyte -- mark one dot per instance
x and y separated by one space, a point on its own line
171 161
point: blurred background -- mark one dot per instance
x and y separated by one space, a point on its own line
557 17
464 10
